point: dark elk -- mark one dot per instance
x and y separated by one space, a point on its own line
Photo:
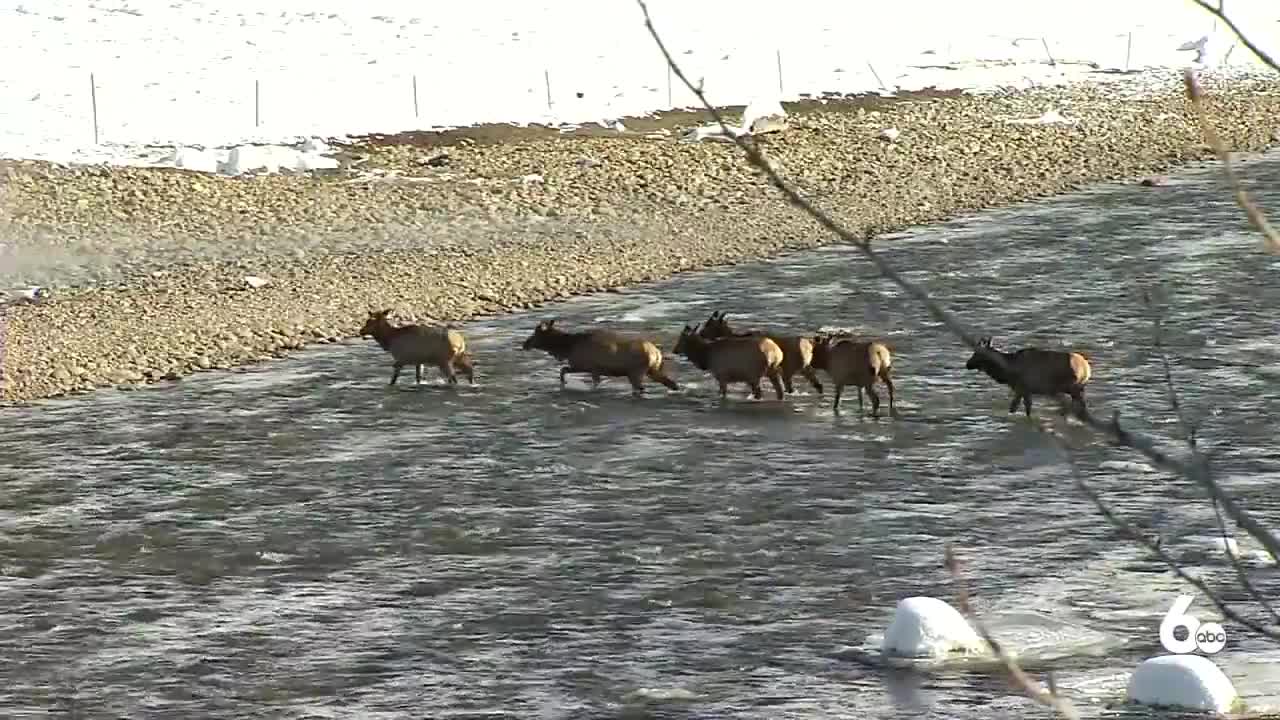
1033 371
601 353
797 350
748 360
418 345
859 363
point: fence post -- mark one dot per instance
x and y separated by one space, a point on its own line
778 52
1048 54
546 78
93 102
257 103
877 76
415 96
1128 51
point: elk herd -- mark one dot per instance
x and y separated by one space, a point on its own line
750 357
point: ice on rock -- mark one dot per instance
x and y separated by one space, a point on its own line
1192 682
929 627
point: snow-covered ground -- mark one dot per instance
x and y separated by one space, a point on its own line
221 73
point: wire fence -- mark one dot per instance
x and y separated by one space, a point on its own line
111 105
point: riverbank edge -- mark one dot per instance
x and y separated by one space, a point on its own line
89 340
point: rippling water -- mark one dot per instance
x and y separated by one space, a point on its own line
299 540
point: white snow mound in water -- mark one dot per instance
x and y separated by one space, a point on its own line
929 627
1193 682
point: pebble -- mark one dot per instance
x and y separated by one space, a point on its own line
141 293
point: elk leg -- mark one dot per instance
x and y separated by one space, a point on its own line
756 391
835 406
875 401
888 382
637 383
860 405
417 373
395 372
724 389
446 369
595 380
812 376
1013 404
667 382
1077 395
1026 403
563 372
786 383
777 385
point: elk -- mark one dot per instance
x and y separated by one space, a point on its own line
601 353
797 350
860 363
1033 371
418 345
746 359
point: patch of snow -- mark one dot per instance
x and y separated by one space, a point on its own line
255 282
26 295
890 134
929 627
1190 682
241 74
1051 117
271 159
760 116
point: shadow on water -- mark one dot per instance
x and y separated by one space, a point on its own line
300 540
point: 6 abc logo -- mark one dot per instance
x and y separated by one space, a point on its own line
1209 638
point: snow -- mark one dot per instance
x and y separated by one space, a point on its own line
1192 682
234 85
929 627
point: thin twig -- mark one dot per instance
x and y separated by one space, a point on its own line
1135 441
1047 698
1221 14
1189 433
1270 237
1126 527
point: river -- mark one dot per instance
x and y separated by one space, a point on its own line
299 540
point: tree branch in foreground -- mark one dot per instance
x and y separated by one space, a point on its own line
1048 698
1154 546
1126 438
1270 238
1220 13
1190 436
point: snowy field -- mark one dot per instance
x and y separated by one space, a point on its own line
215 74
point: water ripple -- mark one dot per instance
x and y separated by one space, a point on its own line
298 540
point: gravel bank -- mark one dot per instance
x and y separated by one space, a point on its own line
147 266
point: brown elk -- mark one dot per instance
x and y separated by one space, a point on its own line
797 350
1033 371
747 359
601 353
860 363
418 345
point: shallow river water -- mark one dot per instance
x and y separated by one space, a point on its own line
299 540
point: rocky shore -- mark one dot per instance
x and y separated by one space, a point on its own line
147 267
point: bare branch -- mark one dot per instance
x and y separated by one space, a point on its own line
1048 698
1126 527
1271 239
1124 437
1200 459
1221 14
